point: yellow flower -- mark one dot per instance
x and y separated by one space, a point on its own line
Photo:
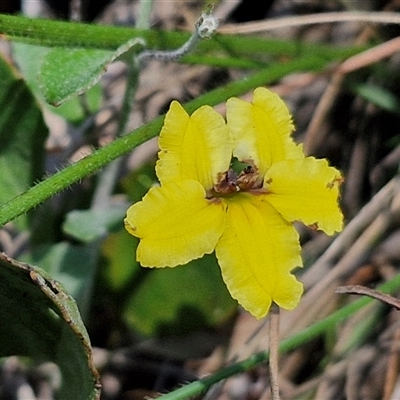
203 204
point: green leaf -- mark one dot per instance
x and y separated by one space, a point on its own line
72 265
180 300
22 137
119 251
68 72
379 96
90 225
39 319
29 59
139 181
119 247
73 110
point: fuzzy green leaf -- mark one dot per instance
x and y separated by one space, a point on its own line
90 225
379 96
39 319
72 265
67 72
22 137
29 59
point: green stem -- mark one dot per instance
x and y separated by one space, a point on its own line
47 33
101 157
143 21
129 96
108 177
74 34
291 343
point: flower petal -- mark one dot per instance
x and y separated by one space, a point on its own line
198 147
262 130
256 253
306 190
176 224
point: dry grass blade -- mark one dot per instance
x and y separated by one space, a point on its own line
315 135
362 290
268 25
349 249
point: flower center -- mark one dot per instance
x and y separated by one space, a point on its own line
230 182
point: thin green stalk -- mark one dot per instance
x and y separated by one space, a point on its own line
46 32
224 62
291 343
129 96
101 157
145 7
61 33
205 28
108 177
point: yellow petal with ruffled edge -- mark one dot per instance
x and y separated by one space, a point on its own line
262 130
256 253
306 190
176 224
198 147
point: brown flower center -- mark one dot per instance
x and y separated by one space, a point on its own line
230 182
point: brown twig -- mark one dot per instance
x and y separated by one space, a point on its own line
362 290
301 20
315 136
273 351
393 366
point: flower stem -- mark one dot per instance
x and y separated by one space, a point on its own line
274 351
306 335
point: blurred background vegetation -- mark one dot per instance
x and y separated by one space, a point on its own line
155 329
